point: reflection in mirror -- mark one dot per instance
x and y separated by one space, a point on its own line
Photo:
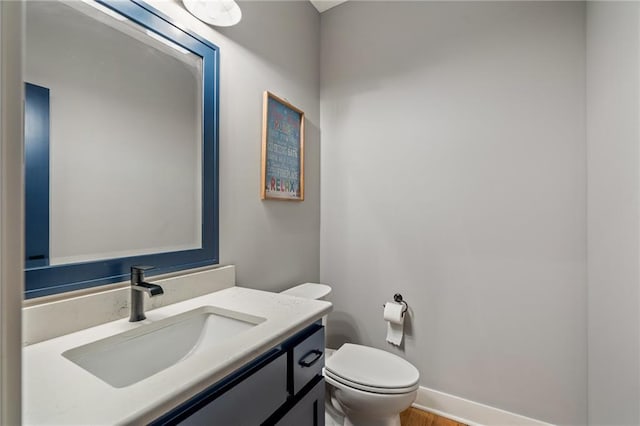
114 112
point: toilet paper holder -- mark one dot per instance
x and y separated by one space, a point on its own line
398 299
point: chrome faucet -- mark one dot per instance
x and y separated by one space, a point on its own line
138 288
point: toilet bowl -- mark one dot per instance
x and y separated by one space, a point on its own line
367 386
370 386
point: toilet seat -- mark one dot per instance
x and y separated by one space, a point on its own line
337 380
371 370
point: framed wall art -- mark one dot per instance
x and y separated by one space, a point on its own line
282 176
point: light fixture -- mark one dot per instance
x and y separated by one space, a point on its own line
222 13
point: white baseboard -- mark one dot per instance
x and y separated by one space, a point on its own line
468 412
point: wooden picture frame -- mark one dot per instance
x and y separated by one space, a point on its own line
282 175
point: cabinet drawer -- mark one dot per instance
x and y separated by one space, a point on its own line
249 402
307 360
309 411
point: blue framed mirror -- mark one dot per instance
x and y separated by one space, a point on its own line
121 144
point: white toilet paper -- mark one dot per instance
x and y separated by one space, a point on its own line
395 322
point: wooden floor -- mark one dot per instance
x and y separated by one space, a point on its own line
415 417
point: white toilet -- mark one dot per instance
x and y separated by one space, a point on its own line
370 387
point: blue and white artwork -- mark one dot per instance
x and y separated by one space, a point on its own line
283 152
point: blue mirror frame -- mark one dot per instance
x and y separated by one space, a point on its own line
43 280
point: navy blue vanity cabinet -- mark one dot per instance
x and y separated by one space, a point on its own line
309 410
249 402
284 386
305 406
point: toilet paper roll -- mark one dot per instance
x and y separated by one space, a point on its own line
393 312
395 322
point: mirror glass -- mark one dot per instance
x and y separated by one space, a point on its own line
114 138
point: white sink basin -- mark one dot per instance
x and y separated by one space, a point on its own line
126 358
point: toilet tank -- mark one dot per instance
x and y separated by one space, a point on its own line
314 291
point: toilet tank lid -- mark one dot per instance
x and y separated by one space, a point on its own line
309 291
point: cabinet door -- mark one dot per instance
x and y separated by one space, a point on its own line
309 411
248 403
307 360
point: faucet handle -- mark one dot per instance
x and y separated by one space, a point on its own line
137 273
141 268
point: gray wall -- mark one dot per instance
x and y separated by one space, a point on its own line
453 172
274 244
613 89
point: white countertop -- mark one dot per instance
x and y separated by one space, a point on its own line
56 391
